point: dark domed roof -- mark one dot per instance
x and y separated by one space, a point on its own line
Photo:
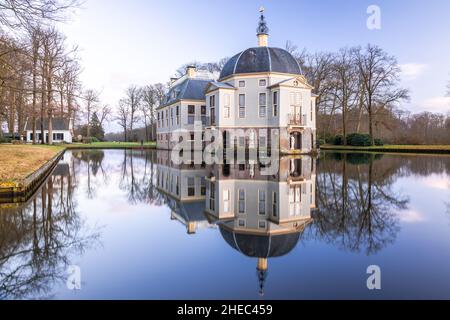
261 246
261 59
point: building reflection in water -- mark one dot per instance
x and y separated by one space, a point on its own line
260 216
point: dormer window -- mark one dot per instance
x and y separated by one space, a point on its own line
262 82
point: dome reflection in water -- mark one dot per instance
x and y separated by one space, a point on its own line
139 226
260 216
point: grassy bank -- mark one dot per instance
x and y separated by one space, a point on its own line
111 145
435 149
19 161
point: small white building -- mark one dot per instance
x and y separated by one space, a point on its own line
62 130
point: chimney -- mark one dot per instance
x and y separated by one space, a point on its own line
172 80
191 71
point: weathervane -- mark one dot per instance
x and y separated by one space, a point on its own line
262 26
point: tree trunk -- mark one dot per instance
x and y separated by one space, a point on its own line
49 106
344 122
372 142
42 105
88 129
33 116
146 129
12 113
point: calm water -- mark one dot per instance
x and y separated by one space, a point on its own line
139 227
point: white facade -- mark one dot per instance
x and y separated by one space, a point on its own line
244 194
266 101
59 136
259 89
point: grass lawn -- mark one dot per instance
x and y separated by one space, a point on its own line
394 148
110 145
19 161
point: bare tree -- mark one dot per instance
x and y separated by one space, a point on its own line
105 114
123 117
54 48
345 78
380 74
290 47
91 99
35 45
133 100
30 13
215 66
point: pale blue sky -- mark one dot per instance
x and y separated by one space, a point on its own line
142 42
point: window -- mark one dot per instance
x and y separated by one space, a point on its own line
262 105
177 186
242 142
241 194
226 201
191 114
178 115
212 196
192 137
226 107
191 186
312 110
262 82
241 223
58 136
262 202
242 106
159 124
294 200
167 118
202 186
162 119
274 204
275 104
242 84
262 141
262 224
212 105
171 116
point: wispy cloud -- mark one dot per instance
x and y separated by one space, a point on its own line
411 71
437 104
411 216
438 182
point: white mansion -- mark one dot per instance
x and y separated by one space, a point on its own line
259 89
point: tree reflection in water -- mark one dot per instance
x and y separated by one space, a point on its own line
350 198
356 204
138 176
38 238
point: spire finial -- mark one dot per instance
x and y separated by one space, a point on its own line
262 31
261 271
262 25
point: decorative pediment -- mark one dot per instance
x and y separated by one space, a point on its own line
296 82
214 85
